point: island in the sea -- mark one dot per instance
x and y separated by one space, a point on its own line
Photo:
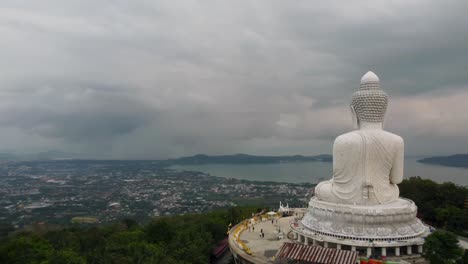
246 159
458 160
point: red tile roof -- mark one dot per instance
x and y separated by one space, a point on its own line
316 255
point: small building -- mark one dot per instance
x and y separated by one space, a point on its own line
285 210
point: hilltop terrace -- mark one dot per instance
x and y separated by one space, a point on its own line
249 246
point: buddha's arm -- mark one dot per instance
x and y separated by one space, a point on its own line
396 173
339 153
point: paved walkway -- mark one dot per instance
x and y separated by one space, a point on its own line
265 248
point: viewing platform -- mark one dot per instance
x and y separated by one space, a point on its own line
248 246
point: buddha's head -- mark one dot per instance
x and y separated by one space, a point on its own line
369 103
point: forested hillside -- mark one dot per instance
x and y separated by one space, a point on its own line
440 205
175 239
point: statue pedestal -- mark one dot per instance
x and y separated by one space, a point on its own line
383 228
383 222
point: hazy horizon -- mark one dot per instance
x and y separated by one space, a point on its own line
78 156
165 79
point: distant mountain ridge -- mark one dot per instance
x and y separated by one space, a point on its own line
45 155
189 160
246 159
457 160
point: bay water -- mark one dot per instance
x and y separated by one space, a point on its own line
314 172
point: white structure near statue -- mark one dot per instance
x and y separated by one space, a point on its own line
359 209
285 210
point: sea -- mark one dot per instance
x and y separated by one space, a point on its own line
314 172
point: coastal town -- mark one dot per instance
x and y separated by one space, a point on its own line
90 191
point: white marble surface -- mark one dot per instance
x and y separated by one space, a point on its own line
370 76
361 204
390 221
368 162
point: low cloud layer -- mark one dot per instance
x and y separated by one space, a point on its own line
156 79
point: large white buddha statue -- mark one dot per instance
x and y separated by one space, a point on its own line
367 162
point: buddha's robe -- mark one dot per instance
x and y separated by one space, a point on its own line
367 165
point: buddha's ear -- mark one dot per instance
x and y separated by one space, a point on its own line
355 118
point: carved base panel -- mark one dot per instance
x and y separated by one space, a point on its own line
391 221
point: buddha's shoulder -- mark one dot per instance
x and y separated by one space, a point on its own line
393 137
356 137
348 138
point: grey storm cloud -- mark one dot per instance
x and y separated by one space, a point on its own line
156 79
75 112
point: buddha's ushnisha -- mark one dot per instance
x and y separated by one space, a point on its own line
367 162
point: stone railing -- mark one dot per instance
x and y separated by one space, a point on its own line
241 252
236 236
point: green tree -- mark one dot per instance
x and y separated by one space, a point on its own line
118 246
440 205
63 239
66 256
130 223
192 245
451 194
452 218
92 244
5 229
464 260
25 249
142 253
441 247
160 230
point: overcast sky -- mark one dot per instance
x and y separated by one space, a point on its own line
157 79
